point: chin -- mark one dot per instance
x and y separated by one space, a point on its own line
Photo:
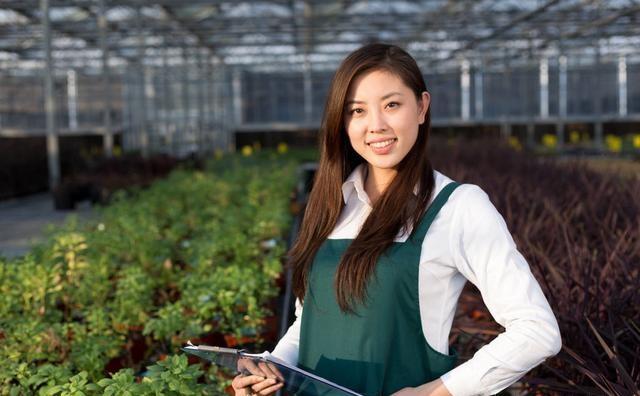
389 164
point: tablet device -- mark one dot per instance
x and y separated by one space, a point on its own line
296 381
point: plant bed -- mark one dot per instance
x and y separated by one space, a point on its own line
107 304
578 230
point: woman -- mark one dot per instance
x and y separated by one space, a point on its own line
386 246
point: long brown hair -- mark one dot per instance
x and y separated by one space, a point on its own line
392 212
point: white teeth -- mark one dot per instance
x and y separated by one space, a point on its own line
382 144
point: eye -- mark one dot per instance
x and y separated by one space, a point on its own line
356 110
392 105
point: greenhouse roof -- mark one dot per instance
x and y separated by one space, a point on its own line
279 34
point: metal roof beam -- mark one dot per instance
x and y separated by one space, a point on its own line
26 12
200 38
503 29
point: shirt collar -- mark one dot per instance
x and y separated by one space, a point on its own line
355 183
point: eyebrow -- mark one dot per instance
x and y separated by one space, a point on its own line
349 102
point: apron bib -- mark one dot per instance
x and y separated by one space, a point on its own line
380 349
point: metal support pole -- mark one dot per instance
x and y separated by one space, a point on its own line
531 134
307 47
126 113
478 80
505 129
219 84
230 110
167 95
560 133
144 137
186 109
308 91
72 99
150 101
237 96
598 140
598 131
465 85
207 116
622 85
200 102
562 98
107 140
49 102
211 109
544 88
562 86
213 115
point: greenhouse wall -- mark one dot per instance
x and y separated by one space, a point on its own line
445 93
592 90
633 88
493 94
189 106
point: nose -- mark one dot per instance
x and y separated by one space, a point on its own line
377 122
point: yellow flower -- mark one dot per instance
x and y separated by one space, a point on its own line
574 136
549 140
247 151
614 143
282 148
515 143
636 140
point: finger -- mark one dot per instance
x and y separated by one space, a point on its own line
243 381
242 392
263 384
245 365
251 367
271 390
266 369
236 382
277 372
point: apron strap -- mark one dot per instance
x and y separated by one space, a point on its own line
421 231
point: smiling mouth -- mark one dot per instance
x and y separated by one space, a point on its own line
383 143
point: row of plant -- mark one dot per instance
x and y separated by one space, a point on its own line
102 307
579 231
628 144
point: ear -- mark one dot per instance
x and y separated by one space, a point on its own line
423 106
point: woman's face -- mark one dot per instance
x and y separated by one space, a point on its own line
382 116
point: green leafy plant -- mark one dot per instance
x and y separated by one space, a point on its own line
173 377
132 300
78 385
122 383
170 322
195 253
47 377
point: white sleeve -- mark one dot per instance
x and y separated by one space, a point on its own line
485 253
287 348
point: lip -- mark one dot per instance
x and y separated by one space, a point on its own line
386 149
382 140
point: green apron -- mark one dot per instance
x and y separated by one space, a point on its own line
380 349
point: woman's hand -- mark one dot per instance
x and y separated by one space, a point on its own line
246 385
433 388
261 379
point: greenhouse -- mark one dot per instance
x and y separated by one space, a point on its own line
157 169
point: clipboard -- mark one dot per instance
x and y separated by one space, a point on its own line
296 381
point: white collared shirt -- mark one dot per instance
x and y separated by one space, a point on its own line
468 240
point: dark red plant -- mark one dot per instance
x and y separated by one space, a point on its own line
580 232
